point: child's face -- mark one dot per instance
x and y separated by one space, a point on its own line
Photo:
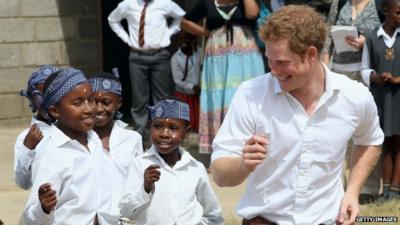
106 105
167 134
393 14
75 111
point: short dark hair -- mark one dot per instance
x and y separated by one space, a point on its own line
387 3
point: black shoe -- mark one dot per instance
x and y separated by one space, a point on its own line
381 199
365 199
393 195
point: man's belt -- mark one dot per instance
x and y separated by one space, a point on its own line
258 221
151 51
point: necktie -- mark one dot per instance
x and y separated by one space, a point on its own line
141 25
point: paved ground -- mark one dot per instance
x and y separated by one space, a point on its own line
12 198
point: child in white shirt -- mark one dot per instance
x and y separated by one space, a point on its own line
166 185
186 69
71 177
121 144
28 139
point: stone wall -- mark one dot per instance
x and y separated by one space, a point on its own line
38 32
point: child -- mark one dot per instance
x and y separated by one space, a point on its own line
166 185
72 182
27 140
381 63
185 65
121 144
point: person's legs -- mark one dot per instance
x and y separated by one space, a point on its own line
162 83
387 164
395 182
140 87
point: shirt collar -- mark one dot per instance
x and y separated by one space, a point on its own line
117 134
39 122
381 31
60 138
186 158
120 124
329 85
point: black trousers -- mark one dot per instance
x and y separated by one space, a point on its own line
151 80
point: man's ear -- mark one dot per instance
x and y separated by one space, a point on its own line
54 112
312 53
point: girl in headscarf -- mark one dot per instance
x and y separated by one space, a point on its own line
28 139
121 144
72 177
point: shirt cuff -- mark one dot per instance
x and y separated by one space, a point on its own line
28 159
143 196
366 76
39 213
220 153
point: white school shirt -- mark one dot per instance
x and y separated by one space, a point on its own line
80 177
299 181
124 145
157 33
24 157
178 62
365 61
182 196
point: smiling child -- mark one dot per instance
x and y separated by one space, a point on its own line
166 185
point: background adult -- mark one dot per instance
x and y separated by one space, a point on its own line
362 14
366 16
231 56
149 33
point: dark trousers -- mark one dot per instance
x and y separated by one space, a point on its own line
258 220
151 80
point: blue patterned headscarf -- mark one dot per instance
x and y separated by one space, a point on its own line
37 77
170 108
64 83
106 82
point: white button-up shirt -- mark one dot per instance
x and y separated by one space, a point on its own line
178 62
24 157
80 177
299 181
182 196
124 145
157 33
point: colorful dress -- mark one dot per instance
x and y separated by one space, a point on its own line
231 57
